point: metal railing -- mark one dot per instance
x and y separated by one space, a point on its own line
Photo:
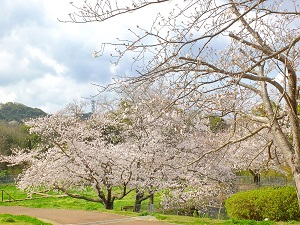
8 179
263 181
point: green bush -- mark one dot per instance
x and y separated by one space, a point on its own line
278 204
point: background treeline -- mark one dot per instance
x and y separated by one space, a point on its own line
13 133
18 112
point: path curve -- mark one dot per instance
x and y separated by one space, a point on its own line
77 217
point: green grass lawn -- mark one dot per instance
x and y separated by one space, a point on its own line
70 203
7 219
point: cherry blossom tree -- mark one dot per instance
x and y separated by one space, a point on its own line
167 138
140 146
197 199
74 155
152 132
218 57
137 146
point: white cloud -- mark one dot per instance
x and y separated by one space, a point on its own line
49 93
113 68
38 54
280 78
45 63
6 60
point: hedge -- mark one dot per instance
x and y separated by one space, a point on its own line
278 204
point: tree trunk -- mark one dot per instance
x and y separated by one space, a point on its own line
138 201
109 205
290 150
152 199
151 203
296 175
256 177
139 197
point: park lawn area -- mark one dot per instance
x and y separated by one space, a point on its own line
7 219
70 203
64 202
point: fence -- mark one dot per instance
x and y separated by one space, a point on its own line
7 195
240 180
247 182
8 179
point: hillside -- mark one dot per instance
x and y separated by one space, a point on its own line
18 112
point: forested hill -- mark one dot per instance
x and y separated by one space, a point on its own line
18 112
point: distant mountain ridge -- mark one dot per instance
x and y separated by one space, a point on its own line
11 111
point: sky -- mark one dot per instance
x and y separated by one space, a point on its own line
48 64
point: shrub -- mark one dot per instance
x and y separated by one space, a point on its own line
278 204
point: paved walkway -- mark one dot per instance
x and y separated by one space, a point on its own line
77 217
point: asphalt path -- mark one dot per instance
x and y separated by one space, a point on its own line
78 217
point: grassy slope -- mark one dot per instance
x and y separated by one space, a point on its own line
69 203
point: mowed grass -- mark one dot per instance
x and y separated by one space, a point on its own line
20 220
70 203
65 202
